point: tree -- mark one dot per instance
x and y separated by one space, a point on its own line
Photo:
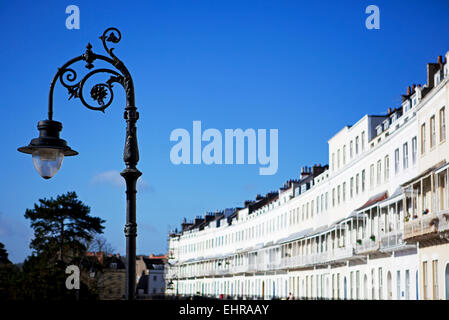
3 255
62 227
99 244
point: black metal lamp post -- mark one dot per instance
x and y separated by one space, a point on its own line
48 149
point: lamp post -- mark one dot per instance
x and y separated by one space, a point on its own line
48 150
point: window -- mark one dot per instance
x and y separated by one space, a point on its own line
363 180
333 197
396 161
357 280
405 155
338 194
325 200
386 168
357 145
322 197
407 284
333 286
435 279
363 140
380 283
351 187
338 159
442 125
344 154
398 285
424 279
350 149
432 132
373 285
344 191
414 149
371 176
423 138
379 172
351 285
357 184
311 209
338 286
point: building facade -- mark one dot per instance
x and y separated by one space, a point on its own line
150 276
372 224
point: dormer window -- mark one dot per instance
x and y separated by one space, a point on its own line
393 117
437 78
406 106
386 124
379 129
415 101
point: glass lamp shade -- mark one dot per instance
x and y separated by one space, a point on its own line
47 161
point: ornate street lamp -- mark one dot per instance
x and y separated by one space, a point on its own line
48 149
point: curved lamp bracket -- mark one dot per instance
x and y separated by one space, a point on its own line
101 92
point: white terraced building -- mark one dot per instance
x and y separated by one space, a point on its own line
371 225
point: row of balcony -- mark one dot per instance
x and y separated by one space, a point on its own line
427 227
392 241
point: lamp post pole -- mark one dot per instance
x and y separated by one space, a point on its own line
48 149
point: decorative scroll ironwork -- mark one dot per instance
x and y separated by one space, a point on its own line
101 92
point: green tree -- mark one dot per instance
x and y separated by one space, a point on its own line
3 255
62 226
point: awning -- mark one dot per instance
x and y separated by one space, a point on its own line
396 196
317 231
424 173
373 200
256 247
295 236
442 168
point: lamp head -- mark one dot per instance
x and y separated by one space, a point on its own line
48 150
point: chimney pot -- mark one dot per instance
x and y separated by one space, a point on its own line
408 90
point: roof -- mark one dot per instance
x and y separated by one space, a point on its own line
120 264
150 262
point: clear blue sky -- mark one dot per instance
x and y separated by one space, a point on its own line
307 69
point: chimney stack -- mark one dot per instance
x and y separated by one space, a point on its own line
304 172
